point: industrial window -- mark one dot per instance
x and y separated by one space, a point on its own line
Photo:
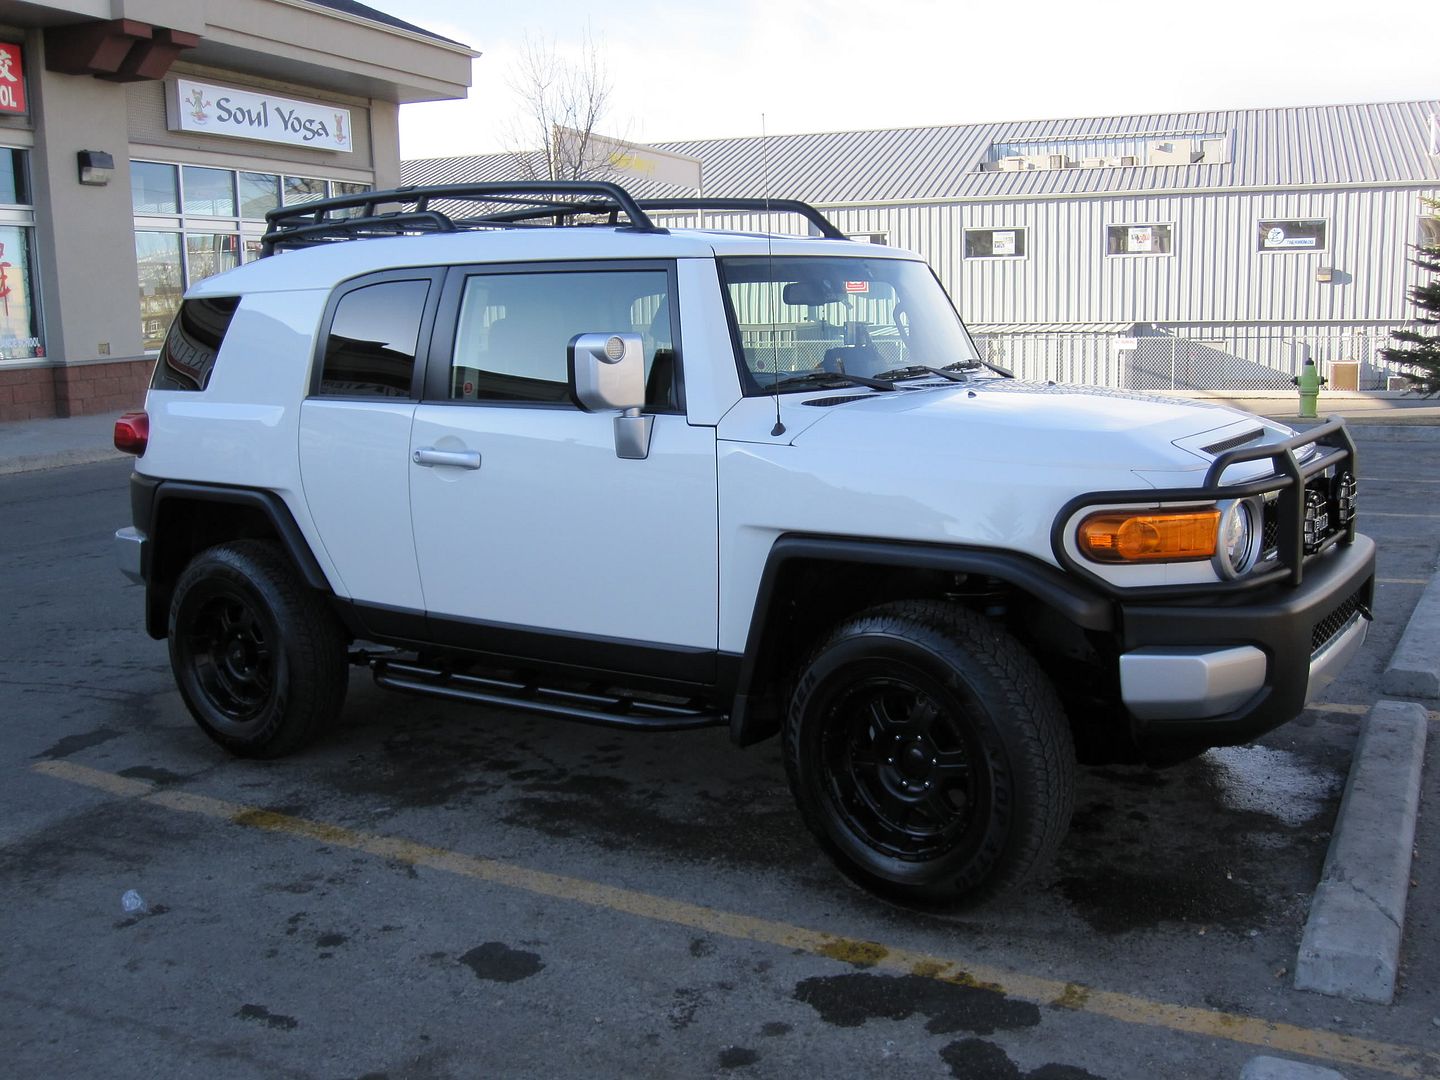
1430 231
1137 240
1296 234
995 243
869 237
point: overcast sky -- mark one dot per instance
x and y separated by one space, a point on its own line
685 70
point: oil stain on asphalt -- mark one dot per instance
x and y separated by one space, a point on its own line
976 1059
851 999
498 962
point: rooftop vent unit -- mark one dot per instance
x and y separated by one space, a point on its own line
1169 152
1128 159
1013 164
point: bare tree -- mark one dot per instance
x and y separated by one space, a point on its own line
562 101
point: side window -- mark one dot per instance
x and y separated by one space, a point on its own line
188 356
371 348
514 331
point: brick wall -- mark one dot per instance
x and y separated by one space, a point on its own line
85 389
27 393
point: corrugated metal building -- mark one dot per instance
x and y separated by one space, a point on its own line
1205 250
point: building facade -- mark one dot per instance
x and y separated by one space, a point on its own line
1208 251
142 142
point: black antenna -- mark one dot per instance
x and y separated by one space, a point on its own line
779 428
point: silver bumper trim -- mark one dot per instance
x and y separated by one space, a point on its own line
1189 682
1327 663
130 546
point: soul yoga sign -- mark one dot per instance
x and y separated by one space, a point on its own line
244 114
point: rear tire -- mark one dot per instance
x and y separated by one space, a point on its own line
929 754
259 659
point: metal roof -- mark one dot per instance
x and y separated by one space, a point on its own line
1282 147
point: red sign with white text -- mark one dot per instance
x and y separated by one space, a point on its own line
12 79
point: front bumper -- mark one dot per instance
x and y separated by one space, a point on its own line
1226 670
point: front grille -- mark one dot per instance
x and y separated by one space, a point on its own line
1333 623
1269 530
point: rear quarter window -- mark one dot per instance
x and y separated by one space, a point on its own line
187 357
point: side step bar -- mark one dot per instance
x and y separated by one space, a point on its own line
602 710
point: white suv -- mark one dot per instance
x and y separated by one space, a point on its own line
555 457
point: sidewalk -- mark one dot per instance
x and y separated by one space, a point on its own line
31 445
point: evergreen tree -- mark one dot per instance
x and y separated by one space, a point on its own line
1422 357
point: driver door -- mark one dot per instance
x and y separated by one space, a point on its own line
532 536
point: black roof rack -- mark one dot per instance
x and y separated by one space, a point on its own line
782 206
354 217
528 203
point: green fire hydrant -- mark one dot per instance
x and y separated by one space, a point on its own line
1309 381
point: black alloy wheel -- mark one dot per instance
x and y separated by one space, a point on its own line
929 755
259 659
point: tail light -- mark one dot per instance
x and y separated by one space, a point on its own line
132 433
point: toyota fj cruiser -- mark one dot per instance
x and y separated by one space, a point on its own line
520 445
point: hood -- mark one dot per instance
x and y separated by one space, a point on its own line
1030 423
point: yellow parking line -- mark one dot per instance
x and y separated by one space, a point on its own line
1398 1060
1402 581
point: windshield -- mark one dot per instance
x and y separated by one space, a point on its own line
846 316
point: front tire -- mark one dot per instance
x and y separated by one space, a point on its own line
929 754
259 659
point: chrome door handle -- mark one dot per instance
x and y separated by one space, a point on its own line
459 459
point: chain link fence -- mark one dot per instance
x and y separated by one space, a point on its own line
1244 362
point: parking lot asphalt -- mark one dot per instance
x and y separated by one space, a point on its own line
445 891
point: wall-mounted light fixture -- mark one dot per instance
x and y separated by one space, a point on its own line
1324 274
96 167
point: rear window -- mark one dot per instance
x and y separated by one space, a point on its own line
188 356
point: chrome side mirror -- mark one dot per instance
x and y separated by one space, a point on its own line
607 371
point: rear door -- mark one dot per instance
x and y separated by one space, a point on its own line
533 537
355 435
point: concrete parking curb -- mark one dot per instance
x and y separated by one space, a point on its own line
1273 1068
1351 944
57 459
1414 669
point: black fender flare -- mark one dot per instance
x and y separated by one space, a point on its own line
148 501
1075 600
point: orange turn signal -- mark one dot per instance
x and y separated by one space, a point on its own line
1174 537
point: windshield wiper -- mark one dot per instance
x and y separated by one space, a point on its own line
914 370
819 377
971 365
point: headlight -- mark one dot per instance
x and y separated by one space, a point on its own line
1239 539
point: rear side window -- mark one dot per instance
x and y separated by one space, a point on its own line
370 351
188 356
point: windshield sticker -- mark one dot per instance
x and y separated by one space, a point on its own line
857 286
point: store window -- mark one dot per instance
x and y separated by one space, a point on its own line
259 194
1137 240
209 192
303 189
162 281
195 221
20 333
21 336
154 188
14 184
1305 234
995 243
208 254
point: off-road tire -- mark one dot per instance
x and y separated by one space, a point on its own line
929 754
259 659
